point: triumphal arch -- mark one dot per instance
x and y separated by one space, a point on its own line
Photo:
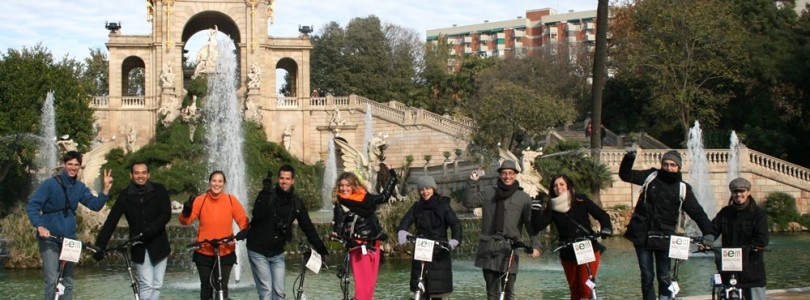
302 122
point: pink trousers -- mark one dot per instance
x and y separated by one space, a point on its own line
364 269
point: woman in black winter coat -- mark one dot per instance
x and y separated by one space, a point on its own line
570 213
432 216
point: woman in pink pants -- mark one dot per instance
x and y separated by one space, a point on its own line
356 222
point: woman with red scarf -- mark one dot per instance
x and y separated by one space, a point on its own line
356 222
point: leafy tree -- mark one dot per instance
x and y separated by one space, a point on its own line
96 67
26 76
136 82
407 51
689 63
367 59
569 158
505 111
328 62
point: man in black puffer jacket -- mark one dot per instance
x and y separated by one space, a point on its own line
657 215
743 224
274 211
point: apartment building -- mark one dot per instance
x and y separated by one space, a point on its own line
518 36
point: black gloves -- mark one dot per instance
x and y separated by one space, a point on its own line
537 204
242 235
99 255
606 233
187 206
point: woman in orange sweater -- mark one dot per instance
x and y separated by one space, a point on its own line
216 211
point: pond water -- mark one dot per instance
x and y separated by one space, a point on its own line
788 265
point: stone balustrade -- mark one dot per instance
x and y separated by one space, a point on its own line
128 102
392 111
768 174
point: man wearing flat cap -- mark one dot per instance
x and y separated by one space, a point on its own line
506 208
744 224
657 216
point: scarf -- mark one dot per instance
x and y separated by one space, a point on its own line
502 192
561 203
357 204
669 177
742 206
284 197
139 190
430 207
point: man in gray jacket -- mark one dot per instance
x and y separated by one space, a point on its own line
506 208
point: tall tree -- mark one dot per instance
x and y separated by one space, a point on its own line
689 62
368 59
96 68
329 66
26 76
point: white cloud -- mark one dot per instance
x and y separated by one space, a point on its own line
72 27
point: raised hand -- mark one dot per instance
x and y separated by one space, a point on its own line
108 181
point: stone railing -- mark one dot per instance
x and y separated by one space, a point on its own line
100 102
126 102
133 101
764 162
287 102
392 111
750 161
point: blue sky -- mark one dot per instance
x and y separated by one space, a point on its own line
73 27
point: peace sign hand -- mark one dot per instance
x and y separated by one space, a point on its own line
108 181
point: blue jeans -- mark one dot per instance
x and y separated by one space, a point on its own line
150 277
645 265
268 273
49 252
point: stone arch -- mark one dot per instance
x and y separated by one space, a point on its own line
127 65
291 66
206 20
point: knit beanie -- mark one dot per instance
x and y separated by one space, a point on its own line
673 156
426 182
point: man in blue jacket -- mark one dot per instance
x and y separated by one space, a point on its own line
52 211
147 207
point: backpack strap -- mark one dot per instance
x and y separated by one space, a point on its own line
68 207
680 228
647 181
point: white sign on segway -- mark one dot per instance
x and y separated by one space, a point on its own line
71 250
584 252
732 260
423 250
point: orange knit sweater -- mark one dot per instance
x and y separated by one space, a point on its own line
216 215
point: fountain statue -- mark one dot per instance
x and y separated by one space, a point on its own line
190 116
254 76
65 144
207 55
528 176
364 165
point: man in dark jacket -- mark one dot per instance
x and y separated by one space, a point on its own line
657 216
506 210
743 224
147 208
274 211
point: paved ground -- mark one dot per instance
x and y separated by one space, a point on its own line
783 294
